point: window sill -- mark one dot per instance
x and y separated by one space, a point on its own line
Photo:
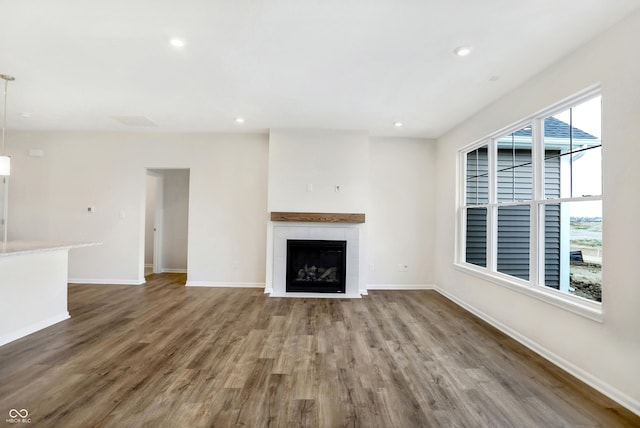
577 305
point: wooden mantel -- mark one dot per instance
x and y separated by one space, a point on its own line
318 217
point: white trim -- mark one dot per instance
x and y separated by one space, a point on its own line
577 305
571 101
574 199
25 331
599 385
104 281
291 295
225 284
165 270
401 287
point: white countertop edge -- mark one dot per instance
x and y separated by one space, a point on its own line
15 248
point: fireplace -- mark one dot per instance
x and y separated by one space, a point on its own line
280 232
316 266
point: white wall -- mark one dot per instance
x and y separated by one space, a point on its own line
227 198
606 354
227 207
392 180
322 159
401 224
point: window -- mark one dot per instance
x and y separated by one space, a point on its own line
531 206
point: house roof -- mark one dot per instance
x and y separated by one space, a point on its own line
556 128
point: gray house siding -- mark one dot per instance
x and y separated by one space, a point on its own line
477 193
552 242
476 250
514 232
515 183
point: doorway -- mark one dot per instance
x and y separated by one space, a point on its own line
166 221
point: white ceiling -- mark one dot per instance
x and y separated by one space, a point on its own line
337 64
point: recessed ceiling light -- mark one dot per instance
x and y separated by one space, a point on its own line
177 43
397 124
239 119
462 50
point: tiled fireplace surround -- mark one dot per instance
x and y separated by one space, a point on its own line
278 234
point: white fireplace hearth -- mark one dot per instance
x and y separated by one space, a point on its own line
281 231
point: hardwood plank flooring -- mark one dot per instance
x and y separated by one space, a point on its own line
165 355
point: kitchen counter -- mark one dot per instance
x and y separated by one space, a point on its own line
12 248
33 286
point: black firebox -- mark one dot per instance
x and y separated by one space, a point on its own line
316 266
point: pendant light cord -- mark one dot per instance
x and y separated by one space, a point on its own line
4 112
6 79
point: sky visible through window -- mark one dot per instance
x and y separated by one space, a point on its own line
586 117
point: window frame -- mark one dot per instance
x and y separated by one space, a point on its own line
534 286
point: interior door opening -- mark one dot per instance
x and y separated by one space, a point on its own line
166 221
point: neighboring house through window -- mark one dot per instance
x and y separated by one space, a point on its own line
532 201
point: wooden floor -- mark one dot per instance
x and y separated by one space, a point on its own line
165 355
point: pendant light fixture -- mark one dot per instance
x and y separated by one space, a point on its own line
5 161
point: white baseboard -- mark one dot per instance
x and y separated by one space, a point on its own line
316 295
225 284
105 281
174 270
401 287
25 331
603 387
